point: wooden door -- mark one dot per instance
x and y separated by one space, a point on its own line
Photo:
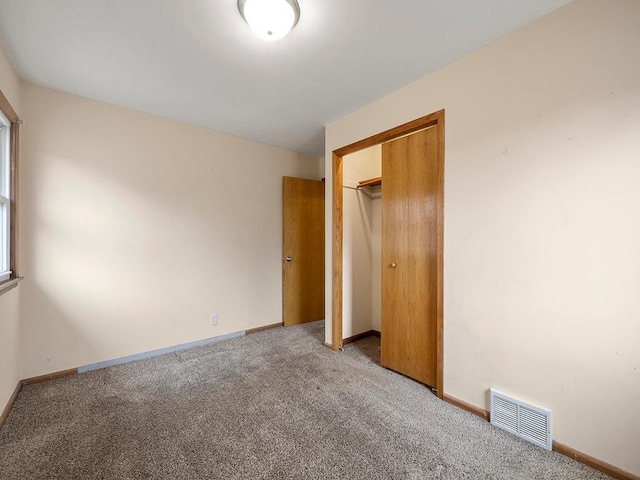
302 251
410 193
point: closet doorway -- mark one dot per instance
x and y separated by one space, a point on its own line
412 247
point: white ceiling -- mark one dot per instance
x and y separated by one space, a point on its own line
198 62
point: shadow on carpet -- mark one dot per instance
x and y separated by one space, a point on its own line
272 405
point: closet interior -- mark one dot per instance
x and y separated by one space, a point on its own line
362 242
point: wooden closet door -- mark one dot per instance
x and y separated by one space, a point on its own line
409 255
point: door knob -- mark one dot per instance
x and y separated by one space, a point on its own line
394 264
288 259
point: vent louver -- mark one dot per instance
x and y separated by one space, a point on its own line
526 421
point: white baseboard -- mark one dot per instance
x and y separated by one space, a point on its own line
155 353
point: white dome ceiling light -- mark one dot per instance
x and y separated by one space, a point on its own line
270 19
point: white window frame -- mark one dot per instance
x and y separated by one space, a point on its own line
5 198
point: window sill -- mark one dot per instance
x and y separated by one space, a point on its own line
9 284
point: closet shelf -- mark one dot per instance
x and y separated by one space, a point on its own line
372 182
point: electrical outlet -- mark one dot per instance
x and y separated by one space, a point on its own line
214 319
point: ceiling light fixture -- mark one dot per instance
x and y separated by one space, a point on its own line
270 19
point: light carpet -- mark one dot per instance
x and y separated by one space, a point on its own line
272 405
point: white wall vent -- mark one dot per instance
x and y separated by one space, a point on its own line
526 421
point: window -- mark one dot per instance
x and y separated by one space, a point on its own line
8 167
5 198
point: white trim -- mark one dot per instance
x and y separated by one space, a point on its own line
5 193
6 285
5 237
5 155
155 353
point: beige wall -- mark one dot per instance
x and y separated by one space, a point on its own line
357 261
10 83
376 257
9 343
136 228
9 326
542 219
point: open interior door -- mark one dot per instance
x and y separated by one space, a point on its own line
302 251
